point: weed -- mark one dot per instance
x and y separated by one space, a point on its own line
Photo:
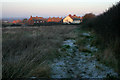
27 50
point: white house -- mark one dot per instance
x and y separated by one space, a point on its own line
76 20
67 20
72 19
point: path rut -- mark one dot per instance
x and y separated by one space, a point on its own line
76 64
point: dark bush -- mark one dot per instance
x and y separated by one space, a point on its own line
107 28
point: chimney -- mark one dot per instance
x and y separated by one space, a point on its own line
31 16
70 15
74 15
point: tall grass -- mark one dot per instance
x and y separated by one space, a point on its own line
26 51
107 28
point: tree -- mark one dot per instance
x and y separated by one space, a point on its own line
88 16
25 21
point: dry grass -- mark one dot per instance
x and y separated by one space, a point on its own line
106 55
26 51
109 58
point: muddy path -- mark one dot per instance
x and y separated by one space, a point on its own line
77 64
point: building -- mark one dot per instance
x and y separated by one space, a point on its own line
54 19
17 22
36 20
4 21
24 20
72 19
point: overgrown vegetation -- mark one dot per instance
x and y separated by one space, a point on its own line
107 29
27 50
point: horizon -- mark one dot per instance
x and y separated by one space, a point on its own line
50 8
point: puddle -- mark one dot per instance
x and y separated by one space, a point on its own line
86 34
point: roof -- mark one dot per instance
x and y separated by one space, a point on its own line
17 21
38 18
54 19
74 17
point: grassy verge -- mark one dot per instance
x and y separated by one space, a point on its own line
105 55
27 51
107 31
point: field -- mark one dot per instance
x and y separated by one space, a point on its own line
30 52
27 50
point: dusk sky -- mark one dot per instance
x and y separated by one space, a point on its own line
45 8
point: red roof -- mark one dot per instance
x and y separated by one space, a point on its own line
54 19
74 16
37 18
16 21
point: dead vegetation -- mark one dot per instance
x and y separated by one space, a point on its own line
26 50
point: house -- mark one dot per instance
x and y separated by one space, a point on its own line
24 20
36 20
72 19
4 21
17 22
54 19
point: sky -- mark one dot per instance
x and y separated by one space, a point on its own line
46 8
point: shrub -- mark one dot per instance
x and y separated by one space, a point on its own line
107 28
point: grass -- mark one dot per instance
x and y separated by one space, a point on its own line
27 50
105 55
82 40
107 31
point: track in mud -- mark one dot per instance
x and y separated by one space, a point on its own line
75 64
